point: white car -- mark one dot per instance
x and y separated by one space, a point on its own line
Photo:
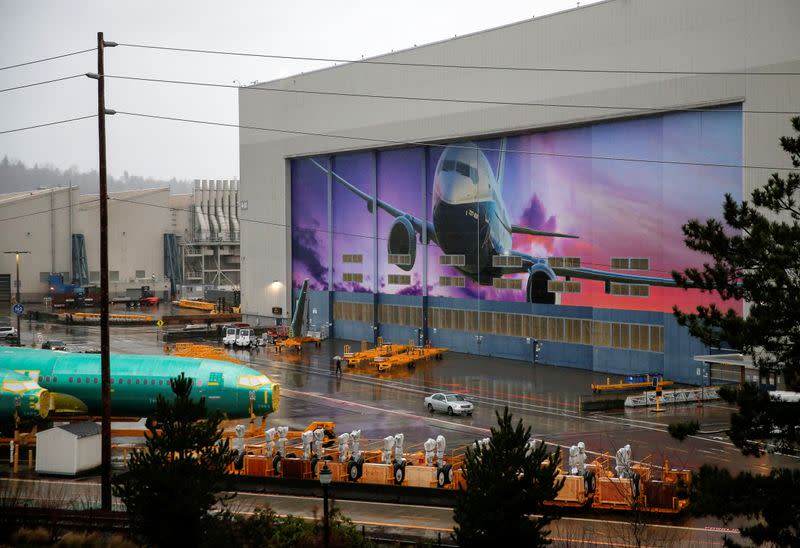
230 336
8 332
452 404
245 337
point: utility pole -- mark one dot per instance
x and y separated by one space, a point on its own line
105 347
17 253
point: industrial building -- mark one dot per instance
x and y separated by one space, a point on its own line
522 185
169 243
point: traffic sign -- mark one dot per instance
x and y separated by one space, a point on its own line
159 323
19 309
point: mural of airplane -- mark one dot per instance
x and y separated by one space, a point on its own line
36 382
469 218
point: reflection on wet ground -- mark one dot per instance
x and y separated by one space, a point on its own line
547 398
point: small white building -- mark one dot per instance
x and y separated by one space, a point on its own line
68 449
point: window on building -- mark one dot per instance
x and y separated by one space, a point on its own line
451 281
94 276
507 261
560 286
630 290
630 263
564 262
507 283
399 279
352 277
452 260
113 275
43 277
399 259
350 258
140 274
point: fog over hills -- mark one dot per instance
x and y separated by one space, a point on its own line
15 176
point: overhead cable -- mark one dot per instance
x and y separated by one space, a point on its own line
48 124
42 82
446 99
374 61
392 142
48 58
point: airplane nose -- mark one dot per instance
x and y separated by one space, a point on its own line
455 189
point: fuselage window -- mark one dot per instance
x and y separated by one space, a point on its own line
169 382
55 379
119 380
160 382
70 379
47 379
152 381
129 381
79 379
87 380
137 381
95 380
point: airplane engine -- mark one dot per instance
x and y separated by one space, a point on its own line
537 292
403 241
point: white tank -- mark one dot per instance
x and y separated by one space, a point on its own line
211 207
201 221
221 221
233 205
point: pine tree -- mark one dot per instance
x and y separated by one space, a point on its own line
172 484
755 258
507 481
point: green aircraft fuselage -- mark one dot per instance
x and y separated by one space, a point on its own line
137 381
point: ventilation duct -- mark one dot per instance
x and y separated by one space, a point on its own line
233 205
201 221
222 223
80 267
173 269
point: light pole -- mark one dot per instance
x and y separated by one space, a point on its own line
17 253
325 477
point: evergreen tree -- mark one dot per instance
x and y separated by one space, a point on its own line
755 257
171 486
507 479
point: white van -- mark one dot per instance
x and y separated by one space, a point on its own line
245 337
231 333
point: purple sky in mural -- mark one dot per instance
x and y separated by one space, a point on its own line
574 181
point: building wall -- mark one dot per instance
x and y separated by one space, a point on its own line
738 36
37 222
42 222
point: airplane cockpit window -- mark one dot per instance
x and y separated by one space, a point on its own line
253 381
462 168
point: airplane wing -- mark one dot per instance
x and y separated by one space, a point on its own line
533 232
371 202
590 273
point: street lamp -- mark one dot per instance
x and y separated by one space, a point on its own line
325 477
17 253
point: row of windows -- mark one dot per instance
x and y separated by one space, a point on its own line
353 258
507 283
452 260
355 312
451 281
120 380
560 286
507 261
564 262
611 334
630 290
399 279
399 259
630 263
354 277
400 315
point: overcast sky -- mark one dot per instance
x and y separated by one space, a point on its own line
33 29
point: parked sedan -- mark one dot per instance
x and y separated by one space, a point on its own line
452 404
8 332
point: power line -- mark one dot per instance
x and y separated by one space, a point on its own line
48 124
317 229
442 99
470 67
47 59
42 83
441 145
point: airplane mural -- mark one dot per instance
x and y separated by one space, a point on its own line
532 217
466 199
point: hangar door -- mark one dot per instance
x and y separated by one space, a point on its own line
5 288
